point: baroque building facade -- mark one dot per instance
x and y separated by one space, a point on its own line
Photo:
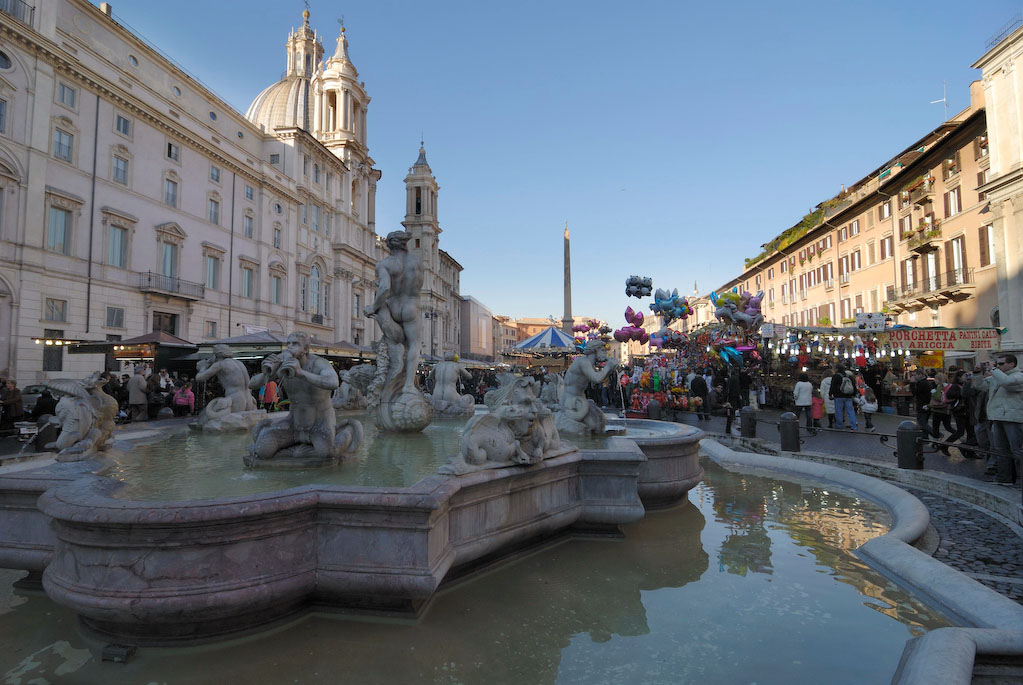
134 199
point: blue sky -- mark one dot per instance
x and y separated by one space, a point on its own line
674 138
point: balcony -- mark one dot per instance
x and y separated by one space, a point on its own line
829 284
939 289
843 279
922 191
803 294
784 299
150 282
925 239
21 11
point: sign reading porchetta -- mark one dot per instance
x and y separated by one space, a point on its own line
967 339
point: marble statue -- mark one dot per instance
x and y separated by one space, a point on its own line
309 434
550 394
354 386
400 406
519 430
86 417
579 415
236 410
445 398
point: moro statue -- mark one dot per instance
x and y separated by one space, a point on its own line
309 435
579 415
445 398
236 410
518 431
399 405
86 417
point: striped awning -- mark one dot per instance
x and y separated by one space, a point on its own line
551 337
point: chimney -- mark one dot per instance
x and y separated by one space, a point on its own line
106 8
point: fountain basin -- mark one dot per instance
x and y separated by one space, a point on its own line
168 572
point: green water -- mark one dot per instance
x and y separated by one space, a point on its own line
751 581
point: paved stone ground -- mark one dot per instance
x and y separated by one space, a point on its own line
971 540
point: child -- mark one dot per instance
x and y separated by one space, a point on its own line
817 408
869 408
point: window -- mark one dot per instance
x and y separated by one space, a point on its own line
854 228
249 193
275 158
980 146
314 290
133 60
248 284
843 234
784 266
770 273
987 245
982 178
358 308
173 152
210 329
905 226
123 125
303 286
215 174
170 193
213 115
212 271
169 260
950 167
855 262
58 234
117 252
316 218
304 210
53 355
3 116
276 289
305 166
115 317
953 202
62 144
214 212
120 170
316 173
886 247
859 304
247 226
885 210
55 310
277 238
5 61
66 95
278 209
871 253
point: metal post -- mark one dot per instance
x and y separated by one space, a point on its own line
910 448
788 426
748 422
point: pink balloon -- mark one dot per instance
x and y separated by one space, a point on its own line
629 313
644 338
638 319
621 335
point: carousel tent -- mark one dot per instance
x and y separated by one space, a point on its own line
551 337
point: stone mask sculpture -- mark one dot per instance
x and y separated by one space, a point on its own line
519 430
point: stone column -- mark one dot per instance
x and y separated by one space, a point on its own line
566 323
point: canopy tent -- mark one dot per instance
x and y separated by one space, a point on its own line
160 347
261 343
551 337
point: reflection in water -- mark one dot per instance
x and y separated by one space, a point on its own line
189 466
649 608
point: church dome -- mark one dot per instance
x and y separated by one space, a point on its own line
284 104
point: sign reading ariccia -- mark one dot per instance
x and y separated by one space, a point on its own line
968 339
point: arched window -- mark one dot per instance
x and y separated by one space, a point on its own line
314 290
308 64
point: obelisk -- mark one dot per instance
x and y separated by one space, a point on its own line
566 321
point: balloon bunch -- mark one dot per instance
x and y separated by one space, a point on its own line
589 330
639 286
667 337
739 310
634 331
670 306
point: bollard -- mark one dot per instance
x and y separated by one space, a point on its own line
748 422
788 426
910 449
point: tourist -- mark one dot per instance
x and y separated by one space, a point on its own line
869 406
698 388
734 399
922 389
1005 411
13 408
269 395
817 408
954 396
802 394
941 414
46 404
138 395
184 400
843 389
829 401
975 392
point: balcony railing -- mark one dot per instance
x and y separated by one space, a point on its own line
922 192
925 239
803 294
951 284
784 299
22 11
151 282
829 284
843 279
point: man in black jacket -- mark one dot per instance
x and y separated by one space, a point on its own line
922 389
843 390
698 388
733 389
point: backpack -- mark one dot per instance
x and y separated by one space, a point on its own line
847 387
